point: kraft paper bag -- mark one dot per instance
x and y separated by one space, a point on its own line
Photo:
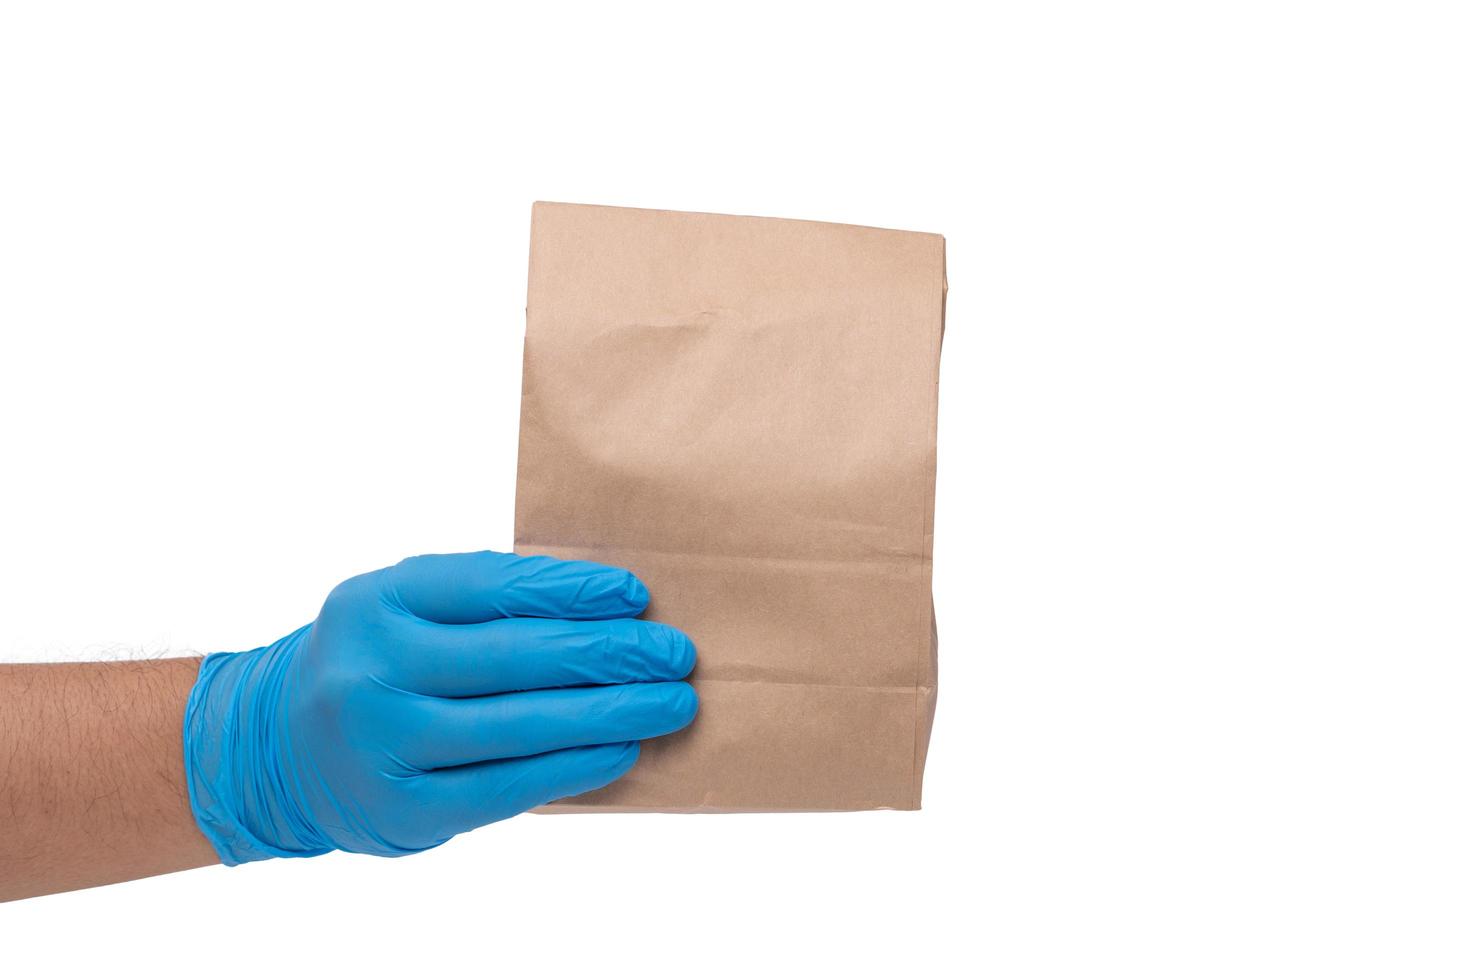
742 411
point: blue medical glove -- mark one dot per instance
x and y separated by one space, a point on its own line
427 699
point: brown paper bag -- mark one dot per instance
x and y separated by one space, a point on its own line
742 411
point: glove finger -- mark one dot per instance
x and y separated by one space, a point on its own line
485 585
525 654
457 732
457 800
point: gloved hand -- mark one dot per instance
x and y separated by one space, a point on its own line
427 699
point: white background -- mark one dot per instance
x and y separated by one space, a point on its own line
1202 537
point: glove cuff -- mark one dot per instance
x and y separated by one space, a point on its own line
230 758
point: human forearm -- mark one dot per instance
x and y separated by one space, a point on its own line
92 786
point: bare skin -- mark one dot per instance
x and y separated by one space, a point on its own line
92 775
